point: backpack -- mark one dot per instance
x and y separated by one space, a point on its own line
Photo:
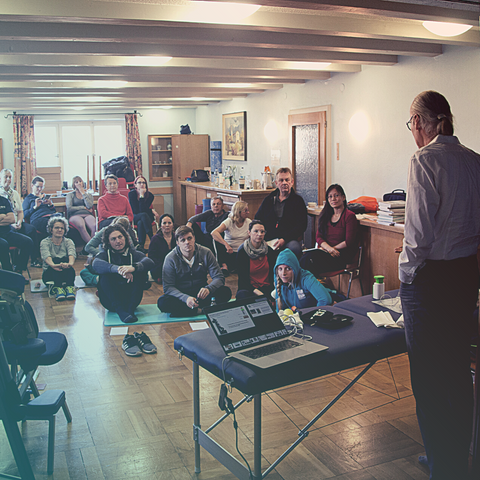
199 176
185 129
120 167
397 194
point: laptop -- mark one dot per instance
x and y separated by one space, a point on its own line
250 330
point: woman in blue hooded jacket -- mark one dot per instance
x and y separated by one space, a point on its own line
295 286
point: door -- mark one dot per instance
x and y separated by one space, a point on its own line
308 141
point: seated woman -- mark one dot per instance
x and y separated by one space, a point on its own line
235 228
295 287
255 262
79 205
58 255
94 246
161 244
337 236
123 274
37 207
143 215
19 226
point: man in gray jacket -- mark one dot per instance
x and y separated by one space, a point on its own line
185 283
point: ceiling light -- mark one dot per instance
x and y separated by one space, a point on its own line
308 65
219 12
78 108
147 61
107 84
445 29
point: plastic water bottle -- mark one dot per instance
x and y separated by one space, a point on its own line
378 287
241 181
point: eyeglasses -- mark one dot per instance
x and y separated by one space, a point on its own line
409 123
143 183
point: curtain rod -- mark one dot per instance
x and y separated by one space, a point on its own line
76 114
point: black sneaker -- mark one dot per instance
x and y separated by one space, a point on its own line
130 346
145 343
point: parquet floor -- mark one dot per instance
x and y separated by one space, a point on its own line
132 417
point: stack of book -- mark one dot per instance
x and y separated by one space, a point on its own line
391 213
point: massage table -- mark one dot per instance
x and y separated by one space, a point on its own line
359 343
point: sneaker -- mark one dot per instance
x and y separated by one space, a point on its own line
50 286
60 294
70 292
145 343
130 346
36 264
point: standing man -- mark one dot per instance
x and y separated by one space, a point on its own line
284 215
112 204
439 274
212 218
185 277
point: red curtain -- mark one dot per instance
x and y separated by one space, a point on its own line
25 159
133 147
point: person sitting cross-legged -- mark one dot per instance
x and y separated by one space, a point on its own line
58 255
123 274
185 277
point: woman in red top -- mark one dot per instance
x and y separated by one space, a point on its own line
337 235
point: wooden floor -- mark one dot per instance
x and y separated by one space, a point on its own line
132 417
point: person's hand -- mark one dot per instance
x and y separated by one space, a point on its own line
49 202
192 302
229 249
155 214
124 269
280 242
334 252
81 189
58 267
129 277
399 249
17 226
188 224
38 202
203 293
142 191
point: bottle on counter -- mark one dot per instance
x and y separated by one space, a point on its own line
241 180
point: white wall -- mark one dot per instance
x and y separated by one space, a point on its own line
378 164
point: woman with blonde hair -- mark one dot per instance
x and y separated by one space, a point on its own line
235 230
79 205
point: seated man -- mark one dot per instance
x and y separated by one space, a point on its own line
212 218
284 215
112 204
185 277
38 208
10 238
123 274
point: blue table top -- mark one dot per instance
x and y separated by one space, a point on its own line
356 344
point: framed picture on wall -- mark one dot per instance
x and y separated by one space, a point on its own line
234 136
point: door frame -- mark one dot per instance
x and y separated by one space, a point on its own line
320 116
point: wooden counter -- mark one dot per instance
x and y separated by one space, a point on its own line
194 193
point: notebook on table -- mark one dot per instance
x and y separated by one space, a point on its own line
251 331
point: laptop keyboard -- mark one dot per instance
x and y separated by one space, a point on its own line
270 349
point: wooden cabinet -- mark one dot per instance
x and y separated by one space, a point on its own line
190 152
160 157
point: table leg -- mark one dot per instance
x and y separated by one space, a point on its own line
257 436
196 414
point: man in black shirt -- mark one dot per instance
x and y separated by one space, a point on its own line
212 218
9 238
284 215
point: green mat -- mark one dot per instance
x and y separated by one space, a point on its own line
147 314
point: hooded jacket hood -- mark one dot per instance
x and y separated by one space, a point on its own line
287 257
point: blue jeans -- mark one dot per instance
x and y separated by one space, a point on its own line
438 311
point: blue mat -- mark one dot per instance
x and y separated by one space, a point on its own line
147 314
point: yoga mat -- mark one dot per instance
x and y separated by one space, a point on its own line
37 286
147 314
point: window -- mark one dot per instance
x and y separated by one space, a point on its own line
67 144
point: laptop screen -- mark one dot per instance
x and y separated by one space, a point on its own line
245 323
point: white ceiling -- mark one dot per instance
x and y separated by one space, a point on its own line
57 54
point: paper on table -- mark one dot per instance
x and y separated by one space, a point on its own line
381 319
198 326
118 331
394 304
